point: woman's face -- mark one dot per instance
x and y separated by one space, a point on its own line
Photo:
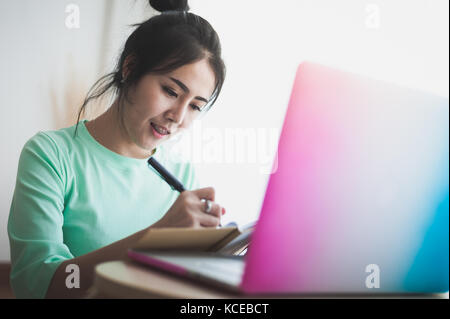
163 105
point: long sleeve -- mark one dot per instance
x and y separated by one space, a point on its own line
36 219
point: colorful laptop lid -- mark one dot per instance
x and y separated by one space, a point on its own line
359 198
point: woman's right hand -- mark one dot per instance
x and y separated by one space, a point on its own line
189 211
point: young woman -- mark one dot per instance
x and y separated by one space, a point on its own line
85 194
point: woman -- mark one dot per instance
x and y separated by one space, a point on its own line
84 194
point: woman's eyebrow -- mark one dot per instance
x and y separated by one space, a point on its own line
186 89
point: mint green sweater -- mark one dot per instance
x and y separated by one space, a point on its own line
73 196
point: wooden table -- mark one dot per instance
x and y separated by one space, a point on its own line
128 279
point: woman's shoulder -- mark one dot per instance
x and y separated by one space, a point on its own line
51 142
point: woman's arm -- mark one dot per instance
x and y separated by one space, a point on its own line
39 255
86 264
187 211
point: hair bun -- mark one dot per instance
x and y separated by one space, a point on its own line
169 5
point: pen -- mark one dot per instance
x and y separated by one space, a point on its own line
169 178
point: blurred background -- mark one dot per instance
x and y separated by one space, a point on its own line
52 51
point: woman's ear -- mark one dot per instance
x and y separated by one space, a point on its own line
128 65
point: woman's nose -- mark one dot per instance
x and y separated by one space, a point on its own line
177 112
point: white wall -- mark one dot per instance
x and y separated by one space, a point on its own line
400 41
47 68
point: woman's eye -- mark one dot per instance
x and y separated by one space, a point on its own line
195 107
170 92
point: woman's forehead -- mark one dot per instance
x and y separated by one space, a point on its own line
197 77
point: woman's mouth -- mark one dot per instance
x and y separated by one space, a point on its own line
159 131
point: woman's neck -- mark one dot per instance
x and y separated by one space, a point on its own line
111 133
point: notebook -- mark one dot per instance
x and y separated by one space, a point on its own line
231 239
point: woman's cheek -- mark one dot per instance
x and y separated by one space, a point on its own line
159 104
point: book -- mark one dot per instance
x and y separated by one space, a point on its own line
230 239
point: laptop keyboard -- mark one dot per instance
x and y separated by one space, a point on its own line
221 265
222 269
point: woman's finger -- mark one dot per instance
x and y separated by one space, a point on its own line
216 209
205 193
207 220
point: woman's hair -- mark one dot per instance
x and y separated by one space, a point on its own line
160 45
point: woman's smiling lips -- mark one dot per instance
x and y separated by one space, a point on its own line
159 131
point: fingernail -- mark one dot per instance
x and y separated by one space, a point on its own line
223 211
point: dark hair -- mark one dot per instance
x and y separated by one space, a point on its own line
162 44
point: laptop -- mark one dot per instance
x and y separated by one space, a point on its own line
358 201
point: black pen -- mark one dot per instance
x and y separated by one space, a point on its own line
169 178
174 183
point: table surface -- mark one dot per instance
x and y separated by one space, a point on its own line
128 279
